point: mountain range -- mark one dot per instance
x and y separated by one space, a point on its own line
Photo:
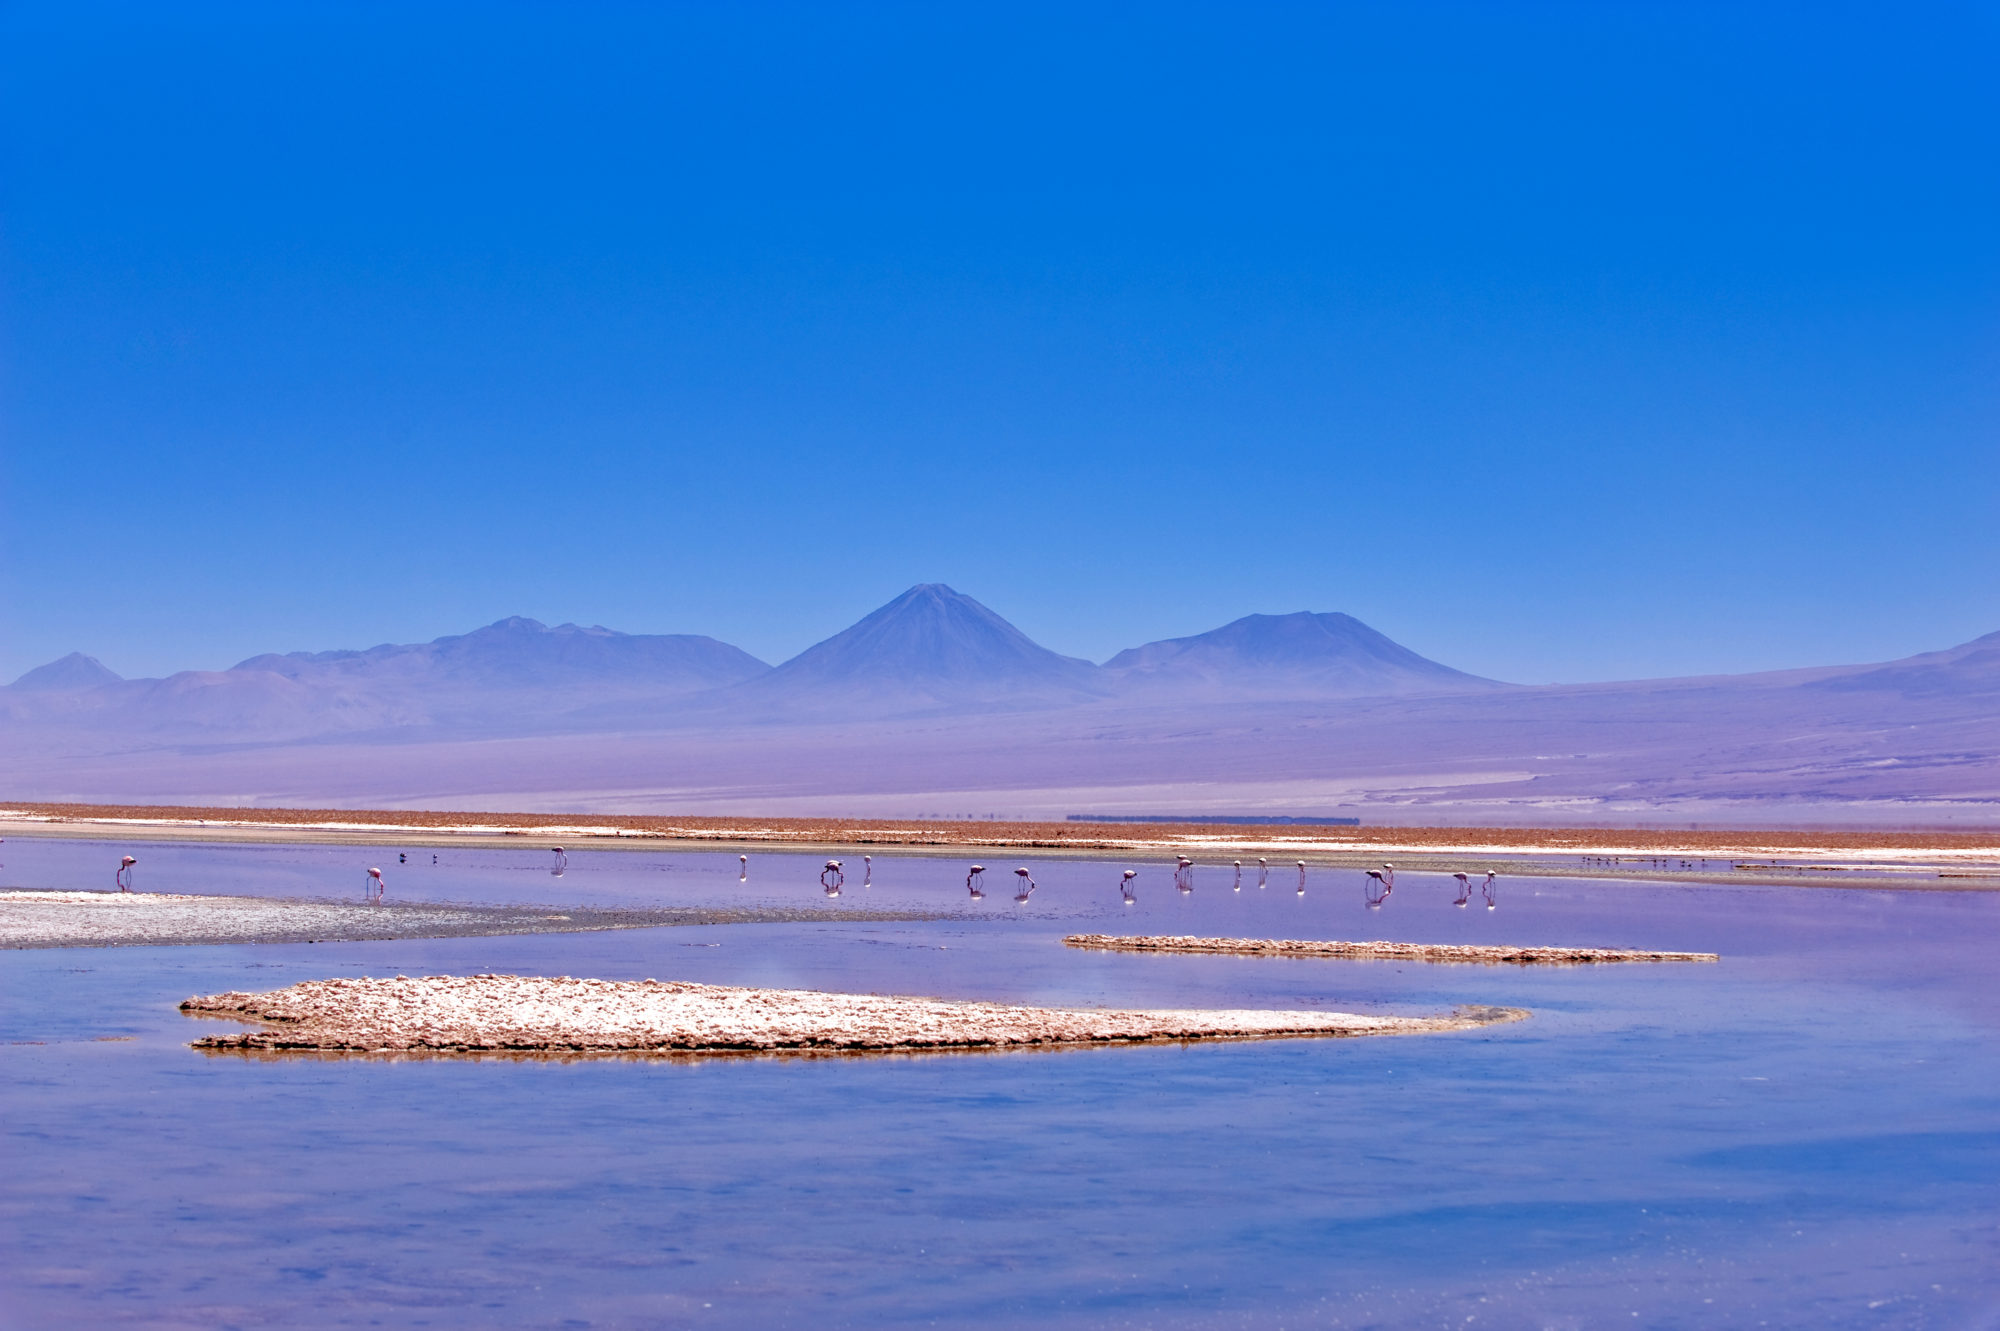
936 704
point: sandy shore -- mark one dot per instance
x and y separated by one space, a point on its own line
142 919
1873 859
508 1014
1443 952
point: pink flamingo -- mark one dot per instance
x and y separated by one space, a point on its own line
1464 890
1125 885
831 878
973 884
1263 872
743 867
374 887
868 871
1027 885
1487 887
1384 879
1183 873
562 861
125 872
1302 877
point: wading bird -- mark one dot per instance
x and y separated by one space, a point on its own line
973 885
743 865
125 872
1487 887
562 860
1375 889
831 878
1263 872
1184 873
1027 885
1302 877
374 887
1464 890
868 871
1125 885
1237 886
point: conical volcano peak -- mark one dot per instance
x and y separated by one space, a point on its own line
70 674
936 643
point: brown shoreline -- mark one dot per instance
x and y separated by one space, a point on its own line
923 832
1480 954
564 1017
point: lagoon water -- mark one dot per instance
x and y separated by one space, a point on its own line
1806 1134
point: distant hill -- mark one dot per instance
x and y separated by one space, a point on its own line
72 674
516 676
1302 655
930 647
1969 670
523 655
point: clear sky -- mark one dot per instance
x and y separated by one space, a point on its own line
1558 342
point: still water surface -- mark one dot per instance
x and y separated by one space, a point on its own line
1807 1134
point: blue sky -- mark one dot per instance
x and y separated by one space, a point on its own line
1559 342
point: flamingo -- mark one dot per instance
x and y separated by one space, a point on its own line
1302 877
831 878
125 872
562 861
972 882
1184 873
1125 885
374 887
1237 886
868 871
743 867
1464 890
1027 885
1263 871
1487 887
1376 879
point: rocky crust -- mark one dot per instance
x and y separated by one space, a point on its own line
1461 952
511 1014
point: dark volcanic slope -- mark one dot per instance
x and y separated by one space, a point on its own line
1301 655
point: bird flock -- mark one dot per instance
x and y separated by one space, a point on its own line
1376 884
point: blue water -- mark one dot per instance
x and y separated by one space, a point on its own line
1807 1134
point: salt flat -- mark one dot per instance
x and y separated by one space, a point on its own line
513 1014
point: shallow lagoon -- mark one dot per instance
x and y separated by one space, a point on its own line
1806 1134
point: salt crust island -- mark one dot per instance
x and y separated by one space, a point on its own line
562 1016
1482 954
